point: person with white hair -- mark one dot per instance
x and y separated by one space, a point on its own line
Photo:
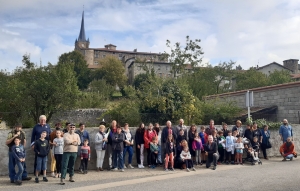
211 151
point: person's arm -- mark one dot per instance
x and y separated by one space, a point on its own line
292 133
33 134
280 132
67 139
98 139
10 138
89 151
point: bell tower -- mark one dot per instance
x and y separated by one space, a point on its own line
81 42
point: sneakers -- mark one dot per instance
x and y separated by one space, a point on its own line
166 169
172 169
122 170
18 182
62 182
295 155
115 169
141 166
53 174
284 159
187 169
194 169
101 169
214 168
85 172
153 166
71 179
130 166
45 179
37 180
26 178
81 171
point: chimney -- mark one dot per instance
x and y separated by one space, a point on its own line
110 47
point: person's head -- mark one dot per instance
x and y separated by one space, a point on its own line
255 139
150 127
58 133
126 126
211 123
248 126
18 127
224 125
119 129
254 126
234 133
285 121
85 142
193 128
186 149
156 126
81 126
101 128
184 143
266 127
229 133
238 123
289 139
239 140
142 126
68 125
210 139
202 128
169 124
181 122
250 149
17 140
43 135
42 119
154 139
114 124
72 128
221 133
57 126
170 138
181 132
214 132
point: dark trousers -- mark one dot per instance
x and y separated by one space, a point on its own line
264 150
58 159
212 159
84 163
221 151
68 162
229 156
118 161
188 163
153 158
138 155
148 156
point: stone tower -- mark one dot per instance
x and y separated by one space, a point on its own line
81 42
292 64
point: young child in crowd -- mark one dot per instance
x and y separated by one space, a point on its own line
170 150
234 134
221 146
58 150
239 146
180 137
41 148
197 147
19 157
187 158
203 137
229 148
253 153
85 155
255 144
154 152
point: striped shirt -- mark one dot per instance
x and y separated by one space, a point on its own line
85 152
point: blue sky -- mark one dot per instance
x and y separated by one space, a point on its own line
249 32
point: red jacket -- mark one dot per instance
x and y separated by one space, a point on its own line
148 138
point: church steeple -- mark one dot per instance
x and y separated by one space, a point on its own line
81 37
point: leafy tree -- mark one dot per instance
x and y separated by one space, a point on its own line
113 71
279 77
223 76
79 65
180 56
140 79
250 79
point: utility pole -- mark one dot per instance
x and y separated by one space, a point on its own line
249 101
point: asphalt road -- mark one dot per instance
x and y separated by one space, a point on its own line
271 175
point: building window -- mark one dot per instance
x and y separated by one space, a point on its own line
96 63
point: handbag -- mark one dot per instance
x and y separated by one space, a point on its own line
268 145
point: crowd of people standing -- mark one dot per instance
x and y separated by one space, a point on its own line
170 147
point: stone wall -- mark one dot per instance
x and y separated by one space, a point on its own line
284 96
275 141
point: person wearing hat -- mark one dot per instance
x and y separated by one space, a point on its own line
71 142
238 128
16 132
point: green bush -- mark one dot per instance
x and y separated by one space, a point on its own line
272 125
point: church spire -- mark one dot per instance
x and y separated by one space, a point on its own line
81 37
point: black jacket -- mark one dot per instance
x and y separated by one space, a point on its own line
41 148
165 133
139 136
117 141
170 148
212 149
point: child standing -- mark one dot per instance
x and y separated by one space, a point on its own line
186 157
239 146
229 148
154 152
221 146
203 137
41 148
197 147
58 150
85 155
19 156
170 150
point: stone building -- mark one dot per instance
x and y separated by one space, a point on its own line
94 55
270 68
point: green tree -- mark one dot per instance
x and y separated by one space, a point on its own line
250 79
113 71
279 77
79 65
180 56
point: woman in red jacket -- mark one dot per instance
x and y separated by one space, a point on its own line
148 135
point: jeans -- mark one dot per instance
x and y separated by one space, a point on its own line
68 162
153 158
21 169
84 163
290 156
128 149
100 157
118 159
11 167
41 163
159 155
198 156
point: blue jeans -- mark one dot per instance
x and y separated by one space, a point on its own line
128 149
41 163
11 167
21 169
159 155
118 159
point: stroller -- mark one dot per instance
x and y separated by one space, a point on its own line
252 152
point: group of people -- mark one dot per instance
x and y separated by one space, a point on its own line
170 147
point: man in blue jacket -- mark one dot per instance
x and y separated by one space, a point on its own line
285 131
